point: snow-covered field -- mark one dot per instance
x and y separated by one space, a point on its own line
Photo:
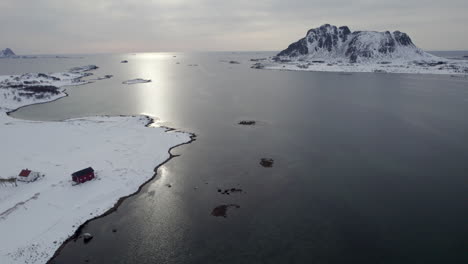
36 217
446 66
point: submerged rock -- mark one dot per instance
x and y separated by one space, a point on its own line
247 122
266 162
258 65
87 237
222 210
229 191
124 61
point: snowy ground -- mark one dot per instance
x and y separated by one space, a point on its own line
35 218
440 66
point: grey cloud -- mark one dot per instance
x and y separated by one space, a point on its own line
57 26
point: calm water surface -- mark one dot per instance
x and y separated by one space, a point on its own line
369 168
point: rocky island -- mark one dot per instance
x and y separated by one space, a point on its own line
7 53
331 48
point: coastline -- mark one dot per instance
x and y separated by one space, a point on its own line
434 65
77 233
359 68
38 249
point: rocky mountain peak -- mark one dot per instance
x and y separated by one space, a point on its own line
7 53
329 41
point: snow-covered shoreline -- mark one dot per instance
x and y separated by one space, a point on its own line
37 217
445 66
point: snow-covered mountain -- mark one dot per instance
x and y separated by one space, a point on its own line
7 53
329 42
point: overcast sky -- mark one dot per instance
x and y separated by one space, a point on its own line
92 26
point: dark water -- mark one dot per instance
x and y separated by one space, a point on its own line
369 168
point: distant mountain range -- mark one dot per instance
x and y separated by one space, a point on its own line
329 42
7 53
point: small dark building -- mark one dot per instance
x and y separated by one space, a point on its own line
83 175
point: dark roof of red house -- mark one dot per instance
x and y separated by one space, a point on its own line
24 173
83 172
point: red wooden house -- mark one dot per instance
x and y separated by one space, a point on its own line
83 175
28 175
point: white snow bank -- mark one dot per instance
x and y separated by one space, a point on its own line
35 218
457 67
135 81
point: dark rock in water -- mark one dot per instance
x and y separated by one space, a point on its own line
266 162
114 230
258 65
222 210
87 237
124 61
229 191
234 62
466 56
429 64
247 122
259 59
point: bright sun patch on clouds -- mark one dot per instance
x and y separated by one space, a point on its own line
88 26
